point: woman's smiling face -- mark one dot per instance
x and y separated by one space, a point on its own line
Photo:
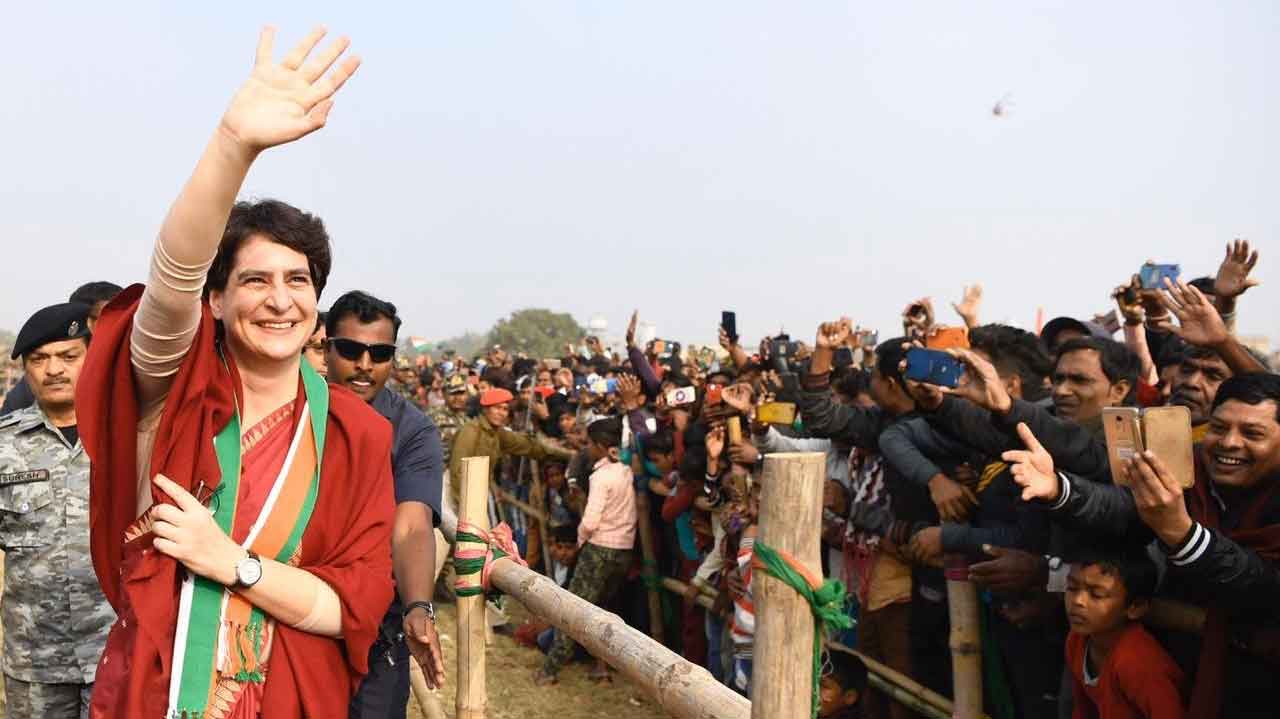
268 307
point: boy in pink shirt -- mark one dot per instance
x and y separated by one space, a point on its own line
606 536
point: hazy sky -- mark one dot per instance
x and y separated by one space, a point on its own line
791 161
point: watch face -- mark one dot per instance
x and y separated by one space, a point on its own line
248 571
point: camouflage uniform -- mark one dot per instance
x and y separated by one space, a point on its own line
448 421
597 576
54 615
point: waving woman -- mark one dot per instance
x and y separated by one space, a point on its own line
241 509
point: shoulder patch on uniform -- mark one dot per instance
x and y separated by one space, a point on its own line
9 420
27 477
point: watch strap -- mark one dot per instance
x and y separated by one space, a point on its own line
428 606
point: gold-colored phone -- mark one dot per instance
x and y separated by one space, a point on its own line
776 413
1165 431
733 427
1123 427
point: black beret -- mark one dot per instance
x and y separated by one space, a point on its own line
56 323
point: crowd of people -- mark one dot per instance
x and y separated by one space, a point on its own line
218 500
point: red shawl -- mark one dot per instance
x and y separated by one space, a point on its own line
346 544
1264 540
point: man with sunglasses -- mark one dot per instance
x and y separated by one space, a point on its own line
361 347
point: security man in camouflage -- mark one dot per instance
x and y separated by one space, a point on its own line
54 615
406 381
450 418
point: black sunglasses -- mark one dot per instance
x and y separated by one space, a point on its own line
352 350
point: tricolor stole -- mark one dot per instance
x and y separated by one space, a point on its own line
222 641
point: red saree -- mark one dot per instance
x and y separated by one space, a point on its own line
346 543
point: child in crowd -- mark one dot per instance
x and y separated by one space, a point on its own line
606 536
562 548
1118 670
742 507
843 684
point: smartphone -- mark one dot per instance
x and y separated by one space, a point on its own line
713 394
733 429
783 413
933 367
1153 275
1123 428
604 386
729 321
843 357
945 338
681 396
659 346
1110 321
1166 431
784 348
790 386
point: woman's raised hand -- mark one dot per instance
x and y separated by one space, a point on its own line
283 101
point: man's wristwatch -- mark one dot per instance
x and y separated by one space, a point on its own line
431 610
248 571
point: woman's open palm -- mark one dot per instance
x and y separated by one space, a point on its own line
281 102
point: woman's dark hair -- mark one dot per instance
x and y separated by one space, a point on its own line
281 223
321 321
606 432
1118 362
1252 388
364 307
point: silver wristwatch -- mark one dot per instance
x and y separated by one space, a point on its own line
248 571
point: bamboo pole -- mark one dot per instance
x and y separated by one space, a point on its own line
966 638
428 700
895 684
529 510
905 698
790 519
900 680
681 688
649 568
539 496
472 622
675 586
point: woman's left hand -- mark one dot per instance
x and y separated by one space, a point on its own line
186 531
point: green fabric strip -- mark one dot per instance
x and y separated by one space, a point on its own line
827 603
205 621
466 567
201 647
